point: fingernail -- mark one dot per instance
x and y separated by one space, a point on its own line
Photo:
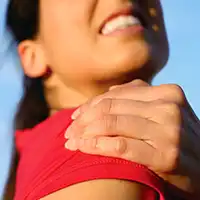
76 113
71 145
68 133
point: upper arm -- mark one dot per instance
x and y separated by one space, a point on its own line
48 171
111 189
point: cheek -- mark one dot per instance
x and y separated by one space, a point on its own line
66 34
67 49
80 58
74 51
70 55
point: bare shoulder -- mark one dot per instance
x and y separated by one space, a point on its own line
100 189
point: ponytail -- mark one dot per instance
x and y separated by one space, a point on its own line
33 107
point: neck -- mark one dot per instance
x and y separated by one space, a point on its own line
59 96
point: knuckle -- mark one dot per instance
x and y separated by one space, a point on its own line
110 122
173 109
174 135
121 147
105 105
172 159
177 93
157 161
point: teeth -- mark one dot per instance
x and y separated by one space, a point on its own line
120 23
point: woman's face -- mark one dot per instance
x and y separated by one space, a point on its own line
98 40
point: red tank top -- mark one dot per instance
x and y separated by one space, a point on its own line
45 166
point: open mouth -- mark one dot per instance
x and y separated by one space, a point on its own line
122 20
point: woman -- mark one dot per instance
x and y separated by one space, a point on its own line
122 41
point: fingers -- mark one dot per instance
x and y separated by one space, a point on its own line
114 107
159 111
115 147
84 107
129 149
126 126
141 120
168 93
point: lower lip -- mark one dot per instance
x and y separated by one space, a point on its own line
129 31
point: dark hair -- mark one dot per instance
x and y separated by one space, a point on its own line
23 22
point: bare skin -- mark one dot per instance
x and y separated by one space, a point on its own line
79 74
100 189
150 124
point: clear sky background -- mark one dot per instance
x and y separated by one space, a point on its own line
183 68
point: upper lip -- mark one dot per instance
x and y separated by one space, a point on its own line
130 10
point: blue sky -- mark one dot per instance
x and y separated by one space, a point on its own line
183 68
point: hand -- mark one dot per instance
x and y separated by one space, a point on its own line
151 125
